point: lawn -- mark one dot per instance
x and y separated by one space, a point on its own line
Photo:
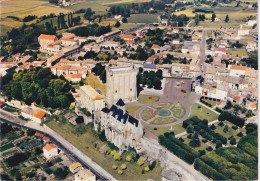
89 144
6 147
143 18
159 131
162 105
203 113
162 120
213 103
147 114
145 99
177 129
125 26
239 52
178 111
202 146
94 82
132 109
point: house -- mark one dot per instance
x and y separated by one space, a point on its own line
217 19
68 42
91 99
34 114
176 41
140 34
161 27
2 104
127 38
251 46
222 51
46 139
75 167
44 40
85 175
73 77
238 100
242 32
223 44
110 44
117 16
156 48
251 106
251 23
39 135
50 150
175 30
237 71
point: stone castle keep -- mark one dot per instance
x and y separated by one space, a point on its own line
121 84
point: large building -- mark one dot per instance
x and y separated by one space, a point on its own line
91 99
120 128
121 83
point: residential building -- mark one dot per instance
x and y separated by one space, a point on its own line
50 150
85 175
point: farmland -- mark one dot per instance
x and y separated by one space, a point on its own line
143 18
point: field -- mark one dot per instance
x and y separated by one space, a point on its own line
236 16
177 129
147 114
143 18
89 144
239 52
94 82
161 120
203 113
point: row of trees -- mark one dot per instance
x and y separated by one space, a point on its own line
231 118
37 85
91 30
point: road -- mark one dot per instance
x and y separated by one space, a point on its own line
202 56
63 144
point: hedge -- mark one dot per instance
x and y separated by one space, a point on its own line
182 153
218 109
249 144
193 121
208 170
231 118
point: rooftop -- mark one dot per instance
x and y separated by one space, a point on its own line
50 146
92 93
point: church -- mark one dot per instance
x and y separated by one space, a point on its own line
120 128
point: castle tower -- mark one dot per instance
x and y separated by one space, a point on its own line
121 83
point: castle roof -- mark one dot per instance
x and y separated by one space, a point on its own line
120 102
92 93
120 115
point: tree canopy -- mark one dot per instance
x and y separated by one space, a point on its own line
38 85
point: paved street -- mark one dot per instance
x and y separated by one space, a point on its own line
202 56
62 144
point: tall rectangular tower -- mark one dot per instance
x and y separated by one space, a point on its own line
121 83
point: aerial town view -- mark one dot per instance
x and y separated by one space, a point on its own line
163 90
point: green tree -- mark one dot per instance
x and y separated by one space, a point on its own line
149 83
189 129
213 17
227 19
89 14
124 20
117 24
233 141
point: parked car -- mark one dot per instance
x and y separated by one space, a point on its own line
184 91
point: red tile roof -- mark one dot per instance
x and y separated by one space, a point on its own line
47 37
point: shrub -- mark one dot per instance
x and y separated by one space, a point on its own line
202 152
197 128
113 152
225 129
209 148
189 129
147 169
204 140
114 167
233 141
154 128
221 124
240 134
234 127
152 165
108 151
123 166
189 136
120 172
140 162
117 157
213 127
251 127
128 158
219 110
218 144
181 139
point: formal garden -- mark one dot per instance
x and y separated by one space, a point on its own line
221 151
163 113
